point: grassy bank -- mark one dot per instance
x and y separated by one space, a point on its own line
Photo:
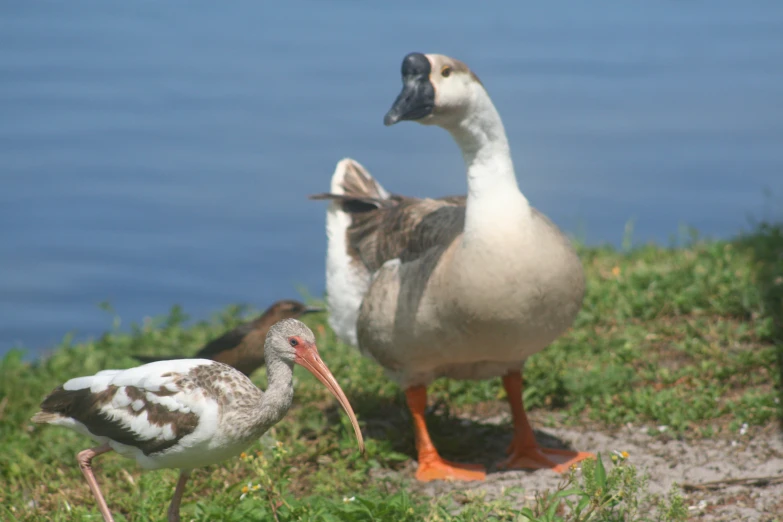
678 338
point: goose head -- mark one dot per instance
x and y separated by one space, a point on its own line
436 90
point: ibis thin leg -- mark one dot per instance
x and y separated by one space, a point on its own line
85 463
176 500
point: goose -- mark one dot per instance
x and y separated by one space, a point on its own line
460 287
243 347
186 413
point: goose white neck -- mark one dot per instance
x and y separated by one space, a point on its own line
492 184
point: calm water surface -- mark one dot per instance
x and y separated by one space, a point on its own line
155 153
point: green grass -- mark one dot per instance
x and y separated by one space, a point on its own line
688 338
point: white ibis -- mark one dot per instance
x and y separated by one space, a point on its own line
187 413
456 287
243 347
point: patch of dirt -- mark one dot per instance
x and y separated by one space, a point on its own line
666 460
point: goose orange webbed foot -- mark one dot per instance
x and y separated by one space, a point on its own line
431 465
524 452
436 468
536 457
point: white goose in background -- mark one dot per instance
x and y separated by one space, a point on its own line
463 288
185 413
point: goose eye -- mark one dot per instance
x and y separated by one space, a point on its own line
445 71
293 342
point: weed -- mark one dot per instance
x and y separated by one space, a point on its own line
613 496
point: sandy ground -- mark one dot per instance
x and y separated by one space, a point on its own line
666 461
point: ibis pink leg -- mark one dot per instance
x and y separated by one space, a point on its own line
85 463
431 465
176 500
524 451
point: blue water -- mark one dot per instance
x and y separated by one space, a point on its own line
155 153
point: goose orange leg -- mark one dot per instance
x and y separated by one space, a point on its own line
431 465
524 452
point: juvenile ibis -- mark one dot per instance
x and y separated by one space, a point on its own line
455 287
243 346
187 413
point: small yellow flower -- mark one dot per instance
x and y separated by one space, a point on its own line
619 455
616 271
243 456
247 489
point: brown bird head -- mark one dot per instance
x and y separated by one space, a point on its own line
290 309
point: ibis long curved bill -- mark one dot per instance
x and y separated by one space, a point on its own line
307 356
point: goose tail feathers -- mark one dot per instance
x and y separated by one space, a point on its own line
353 191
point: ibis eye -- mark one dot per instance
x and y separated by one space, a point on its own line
293 342
445 71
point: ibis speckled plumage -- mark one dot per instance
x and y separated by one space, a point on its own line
188 413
